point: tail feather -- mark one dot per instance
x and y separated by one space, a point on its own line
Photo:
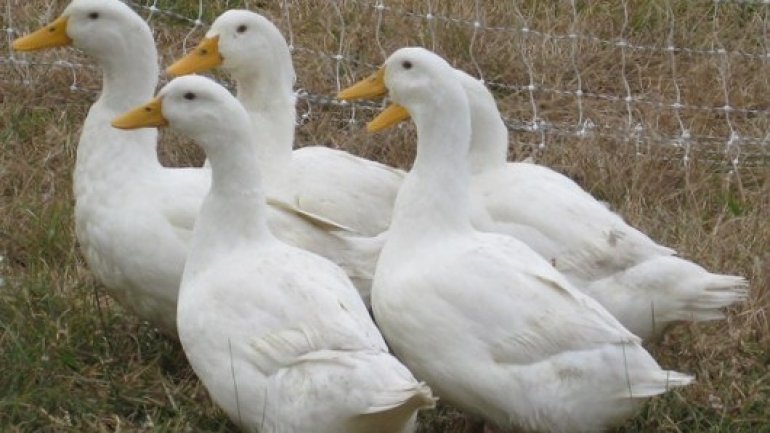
651 295
714 292
720 282
394 411
659 382
416 396
393 399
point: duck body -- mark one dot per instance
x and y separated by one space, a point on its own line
134 220
594 242
134 217
527 351
355 192
278 335
511 342
642 283
551 203
275 366
325 178
486 321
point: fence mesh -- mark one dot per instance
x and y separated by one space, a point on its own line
687 76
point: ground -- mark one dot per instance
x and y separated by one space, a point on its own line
72 360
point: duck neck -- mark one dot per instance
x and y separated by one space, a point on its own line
433 200
270 101
489 138
129 76
234 212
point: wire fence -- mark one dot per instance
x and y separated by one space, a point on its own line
691 76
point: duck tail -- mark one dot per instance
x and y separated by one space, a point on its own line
659 382
414 397
395 410
675 290
696 294
718 291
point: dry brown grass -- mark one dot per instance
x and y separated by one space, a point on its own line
72 361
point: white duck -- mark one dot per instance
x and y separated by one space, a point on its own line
278 335
134 217
639 281
489 324
353 191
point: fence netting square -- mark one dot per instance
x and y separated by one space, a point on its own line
687 76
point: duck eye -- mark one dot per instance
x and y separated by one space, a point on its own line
407 64
93 15
189 96
241 28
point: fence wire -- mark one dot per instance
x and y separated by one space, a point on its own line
688 75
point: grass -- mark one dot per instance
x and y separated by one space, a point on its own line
71 360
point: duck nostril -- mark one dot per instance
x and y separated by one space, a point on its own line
204 51
52 29
148 109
